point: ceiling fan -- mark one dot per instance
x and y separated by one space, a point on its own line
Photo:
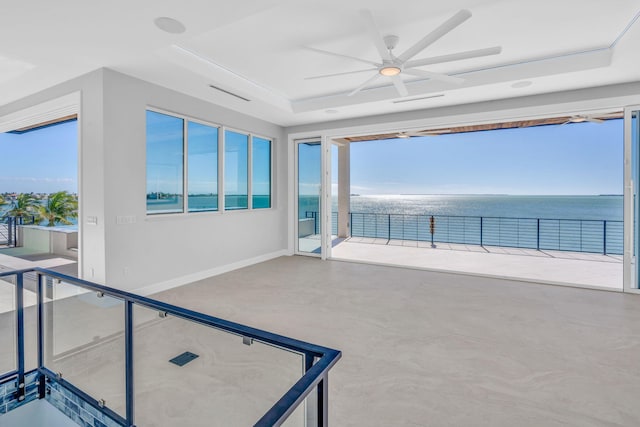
580 118
393 66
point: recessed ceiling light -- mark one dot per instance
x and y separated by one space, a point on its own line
170 25
331 111
524 83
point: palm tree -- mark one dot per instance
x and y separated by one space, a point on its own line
58 208
24 205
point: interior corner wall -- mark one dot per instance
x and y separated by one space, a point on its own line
90 159
174 249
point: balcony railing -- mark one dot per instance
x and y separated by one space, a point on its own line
575 235
90 322
9 228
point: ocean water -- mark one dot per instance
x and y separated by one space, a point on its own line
552 207
605 207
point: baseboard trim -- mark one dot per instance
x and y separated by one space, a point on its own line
190 278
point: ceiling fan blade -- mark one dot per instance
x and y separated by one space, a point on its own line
376 37
434 76
454 57
340 55
434 35
339 74
594 120
400 86
365 84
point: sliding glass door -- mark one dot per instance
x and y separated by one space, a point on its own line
631 200
309 196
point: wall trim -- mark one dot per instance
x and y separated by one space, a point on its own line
45 111
194 277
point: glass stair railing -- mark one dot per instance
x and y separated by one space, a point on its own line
105 357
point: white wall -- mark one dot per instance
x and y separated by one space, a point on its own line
161 251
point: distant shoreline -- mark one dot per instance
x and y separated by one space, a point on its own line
497 194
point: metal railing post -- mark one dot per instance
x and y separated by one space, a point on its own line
323 402
350 224
481 231
604 237
128 349
538 235
10 240
20 393
40 322
388 226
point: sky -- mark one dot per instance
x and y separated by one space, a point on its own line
165 158
41 161
579 158
572 159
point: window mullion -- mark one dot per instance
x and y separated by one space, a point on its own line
221 171
250 172
185 167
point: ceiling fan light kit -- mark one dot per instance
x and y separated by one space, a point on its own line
393 66
390 71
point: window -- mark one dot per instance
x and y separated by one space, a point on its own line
183 173
261 173
202 166
236 161
165 163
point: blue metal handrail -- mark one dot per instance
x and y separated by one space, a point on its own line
316 371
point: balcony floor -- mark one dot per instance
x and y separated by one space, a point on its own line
553 267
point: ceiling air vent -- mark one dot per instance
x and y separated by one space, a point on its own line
229 93
400 101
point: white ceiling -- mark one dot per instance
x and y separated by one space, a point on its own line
256 48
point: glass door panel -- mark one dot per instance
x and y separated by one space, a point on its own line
632 202
309 185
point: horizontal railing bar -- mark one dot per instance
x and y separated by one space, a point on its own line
248 331
300 390
613 221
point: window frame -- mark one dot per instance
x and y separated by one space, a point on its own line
186 164
271 170
184 172
221 168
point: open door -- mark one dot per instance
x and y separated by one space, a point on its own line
631 201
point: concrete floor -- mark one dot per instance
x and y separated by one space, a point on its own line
554 267
419 348
434 349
